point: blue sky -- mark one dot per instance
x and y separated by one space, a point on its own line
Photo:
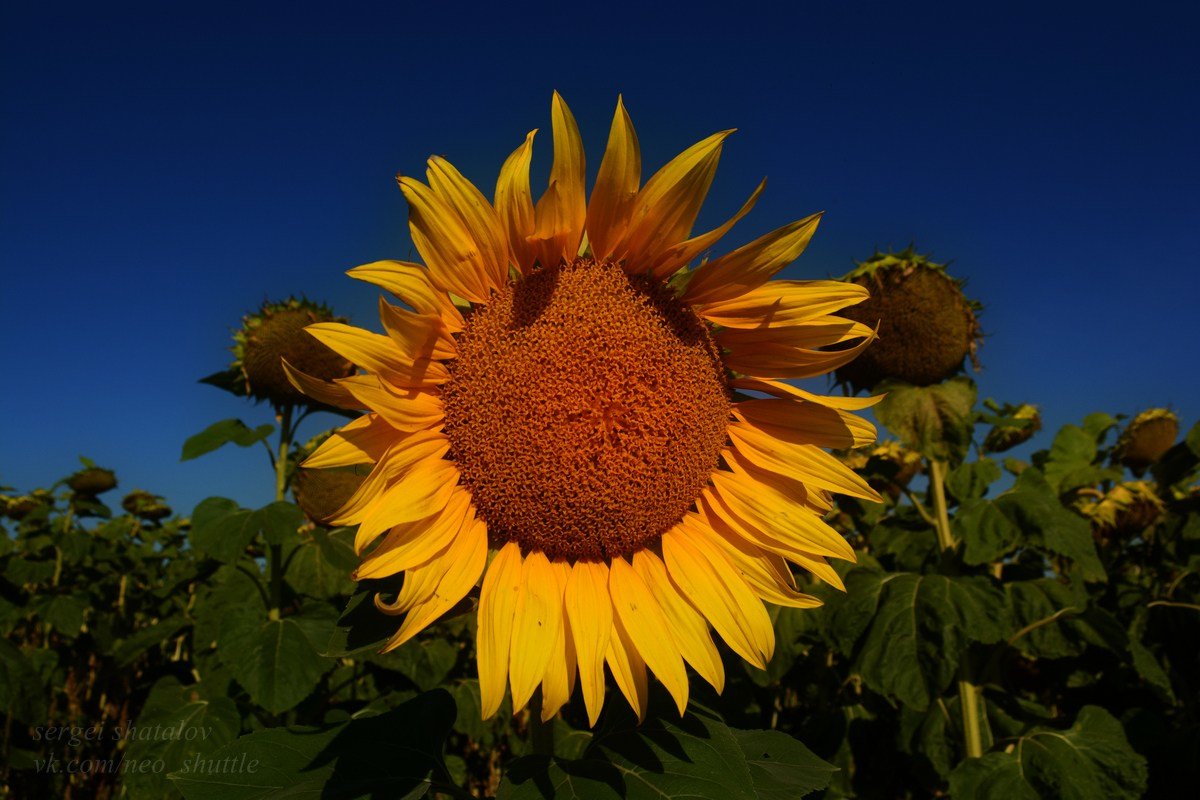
166 167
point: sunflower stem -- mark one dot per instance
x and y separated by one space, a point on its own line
937 478
284 418
541 734
968 692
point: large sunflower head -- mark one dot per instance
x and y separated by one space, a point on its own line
602 437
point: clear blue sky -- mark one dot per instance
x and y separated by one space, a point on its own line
165 167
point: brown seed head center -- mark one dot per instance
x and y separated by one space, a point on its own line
585 410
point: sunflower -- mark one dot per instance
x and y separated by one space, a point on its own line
600 434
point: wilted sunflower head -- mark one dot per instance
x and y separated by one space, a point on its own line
91 481
147 506
321 492
1126 509
1146 438
571 435
1018 425
927 327
276 332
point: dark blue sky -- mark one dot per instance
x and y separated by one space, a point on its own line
165 167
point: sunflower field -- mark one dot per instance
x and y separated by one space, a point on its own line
574 531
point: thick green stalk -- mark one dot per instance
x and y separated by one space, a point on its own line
968 692
284 418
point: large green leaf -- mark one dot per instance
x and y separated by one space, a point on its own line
276 660
322 563
971 480
21 693
177 724
1091 759
936 421
222 529
1035 509
388 755
908 632
222 433
694 757
987 535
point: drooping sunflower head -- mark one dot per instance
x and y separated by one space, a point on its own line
146 506
927 327
602 437
276 332
92 481
1146 438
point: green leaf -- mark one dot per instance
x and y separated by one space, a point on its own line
222 433
1069 464
694 757
185 725
273 659
1091 759
388 755
322 563
1046 607
936 421
987 535
426 662
362 629
230 380
970 481
1034 508
780 767
129 649
64 613
279 522
222 529
918 628
21 694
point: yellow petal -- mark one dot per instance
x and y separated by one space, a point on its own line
514 204
667 206
707 579
562 211
422 492
815 332
773 360
682 254
409 410
497 607
327 392
413 285
559 680
751 265
463 563
362 441
477 215
412 543
379 354
627 667
780 303
589 609
786 390
450 251
806 423
648 629
765 573
418 336
536 623
616 186
422 447
773 520
803 462
688 628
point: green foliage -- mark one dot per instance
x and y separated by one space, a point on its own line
1025 649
